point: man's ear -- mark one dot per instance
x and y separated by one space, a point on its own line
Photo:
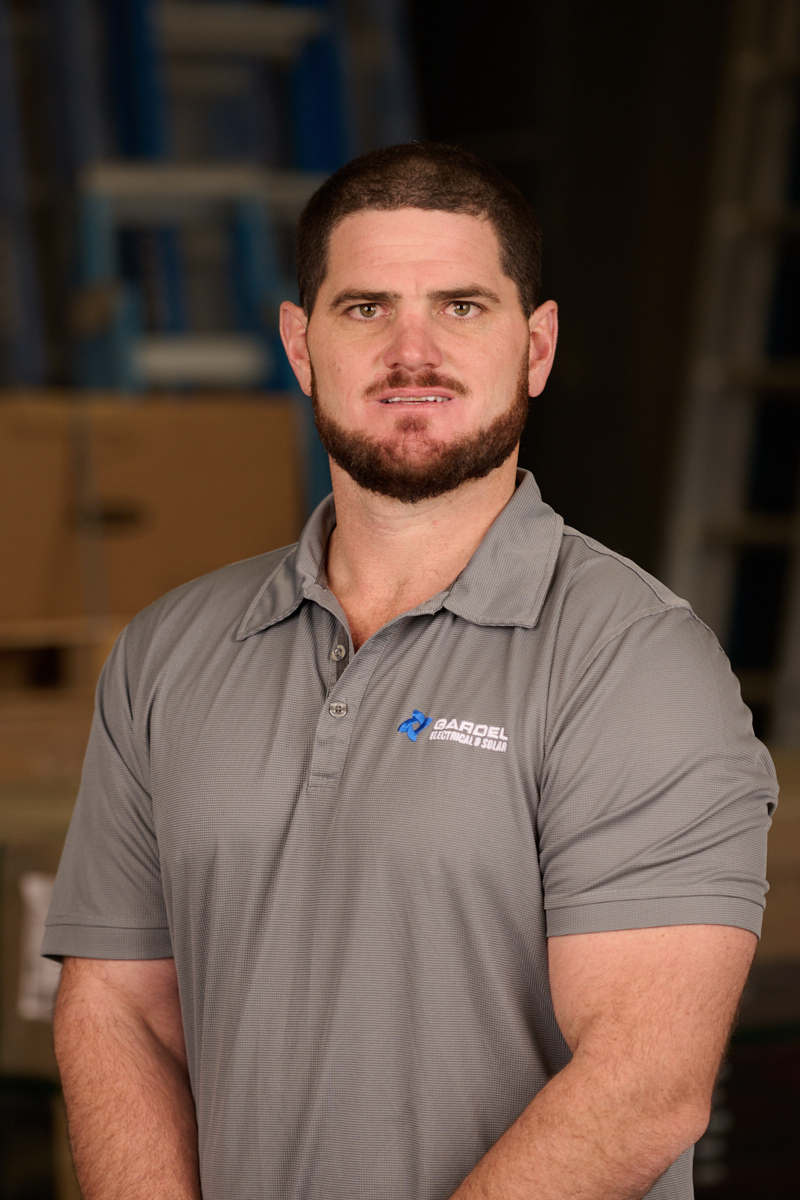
293 326
543 324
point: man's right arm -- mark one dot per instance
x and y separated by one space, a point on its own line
121 1053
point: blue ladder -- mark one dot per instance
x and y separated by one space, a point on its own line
304 46
250 200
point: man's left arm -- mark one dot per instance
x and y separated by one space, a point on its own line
647 1014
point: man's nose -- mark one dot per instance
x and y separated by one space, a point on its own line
413 346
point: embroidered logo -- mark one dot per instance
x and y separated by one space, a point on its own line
414 724
467 733
487 737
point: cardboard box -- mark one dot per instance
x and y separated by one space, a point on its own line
109 503
43 736
36 532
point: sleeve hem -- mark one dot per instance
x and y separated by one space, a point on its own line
92 941
645 913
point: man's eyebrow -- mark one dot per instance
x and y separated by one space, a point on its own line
353 297
471 291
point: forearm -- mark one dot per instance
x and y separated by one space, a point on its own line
132 1122
590 1134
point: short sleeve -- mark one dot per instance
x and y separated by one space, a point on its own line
656 796
108 900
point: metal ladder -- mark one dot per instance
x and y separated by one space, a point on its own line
164 204
156 195
143 203
733 540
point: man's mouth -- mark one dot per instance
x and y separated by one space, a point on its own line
414 399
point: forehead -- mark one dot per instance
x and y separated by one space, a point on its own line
427 243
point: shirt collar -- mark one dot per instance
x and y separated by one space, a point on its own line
504 583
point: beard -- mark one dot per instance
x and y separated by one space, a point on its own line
386 466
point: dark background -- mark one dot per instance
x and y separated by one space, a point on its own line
603 116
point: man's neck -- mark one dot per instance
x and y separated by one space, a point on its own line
386 557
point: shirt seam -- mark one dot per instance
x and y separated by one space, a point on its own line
625 897
58 922
617 632
604 552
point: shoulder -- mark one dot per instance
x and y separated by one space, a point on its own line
206 610
220 597
587 567
598 596
631 662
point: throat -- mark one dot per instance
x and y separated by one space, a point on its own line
365 616
384 559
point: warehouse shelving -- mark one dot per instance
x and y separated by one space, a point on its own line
732 549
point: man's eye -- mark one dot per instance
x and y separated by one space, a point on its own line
462 308
367 310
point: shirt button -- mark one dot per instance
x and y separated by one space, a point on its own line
337 708
338 653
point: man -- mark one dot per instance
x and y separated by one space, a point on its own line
425 858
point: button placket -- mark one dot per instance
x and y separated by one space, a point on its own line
337 654
335 726
339 659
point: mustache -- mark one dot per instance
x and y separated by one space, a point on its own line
426 379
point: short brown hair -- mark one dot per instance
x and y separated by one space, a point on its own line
428 176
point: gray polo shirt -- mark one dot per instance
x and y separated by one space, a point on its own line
356 859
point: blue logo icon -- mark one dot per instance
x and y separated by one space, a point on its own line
415 724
